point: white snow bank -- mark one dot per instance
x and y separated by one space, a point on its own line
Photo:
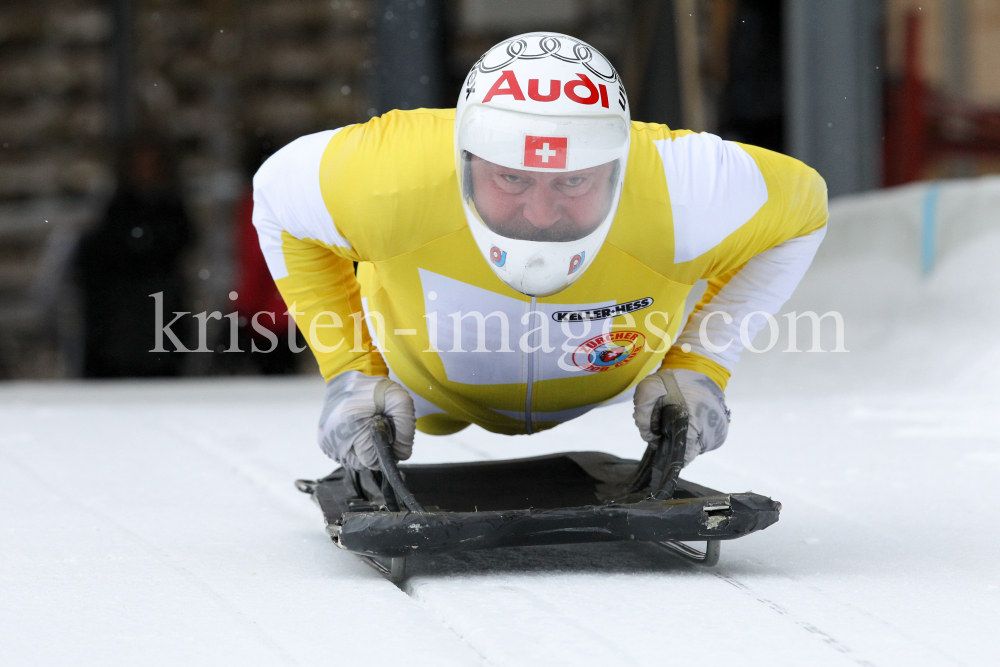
903 329
891 223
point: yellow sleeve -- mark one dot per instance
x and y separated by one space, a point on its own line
322 293
311 261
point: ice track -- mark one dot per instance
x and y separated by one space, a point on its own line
157 524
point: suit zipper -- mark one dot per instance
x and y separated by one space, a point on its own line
531 368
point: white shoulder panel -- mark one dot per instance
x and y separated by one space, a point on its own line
715 188
287 197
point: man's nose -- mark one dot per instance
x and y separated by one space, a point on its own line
542 208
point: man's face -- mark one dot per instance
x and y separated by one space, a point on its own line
540 206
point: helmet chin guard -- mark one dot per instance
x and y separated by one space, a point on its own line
541 147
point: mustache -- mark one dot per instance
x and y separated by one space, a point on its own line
561 231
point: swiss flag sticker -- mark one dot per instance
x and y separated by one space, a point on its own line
545 152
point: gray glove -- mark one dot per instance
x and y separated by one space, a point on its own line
708 416
345 433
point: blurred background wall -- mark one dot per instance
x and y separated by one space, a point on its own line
130 130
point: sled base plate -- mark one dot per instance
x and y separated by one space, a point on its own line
564 498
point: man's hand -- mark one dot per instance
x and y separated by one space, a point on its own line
345 425
708 416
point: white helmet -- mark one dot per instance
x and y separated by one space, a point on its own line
541 146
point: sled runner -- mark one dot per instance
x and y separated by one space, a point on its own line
406 510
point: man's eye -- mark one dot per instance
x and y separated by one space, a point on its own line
576 180
511 178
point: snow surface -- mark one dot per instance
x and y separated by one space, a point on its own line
155 523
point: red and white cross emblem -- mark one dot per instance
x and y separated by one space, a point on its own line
545 152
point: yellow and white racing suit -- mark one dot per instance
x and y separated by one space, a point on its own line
426 309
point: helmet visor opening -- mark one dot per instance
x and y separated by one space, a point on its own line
531 205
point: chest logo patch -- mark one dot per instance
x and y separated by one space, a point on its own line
601 313
608 351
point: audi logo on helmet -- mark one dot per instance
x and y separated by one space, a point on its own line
587 85
507 85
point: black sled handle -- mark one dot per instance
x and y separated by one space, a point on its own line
382 434
660 467
394 489
669 456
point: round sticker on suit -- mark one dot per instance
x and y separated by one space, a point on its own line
607 351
